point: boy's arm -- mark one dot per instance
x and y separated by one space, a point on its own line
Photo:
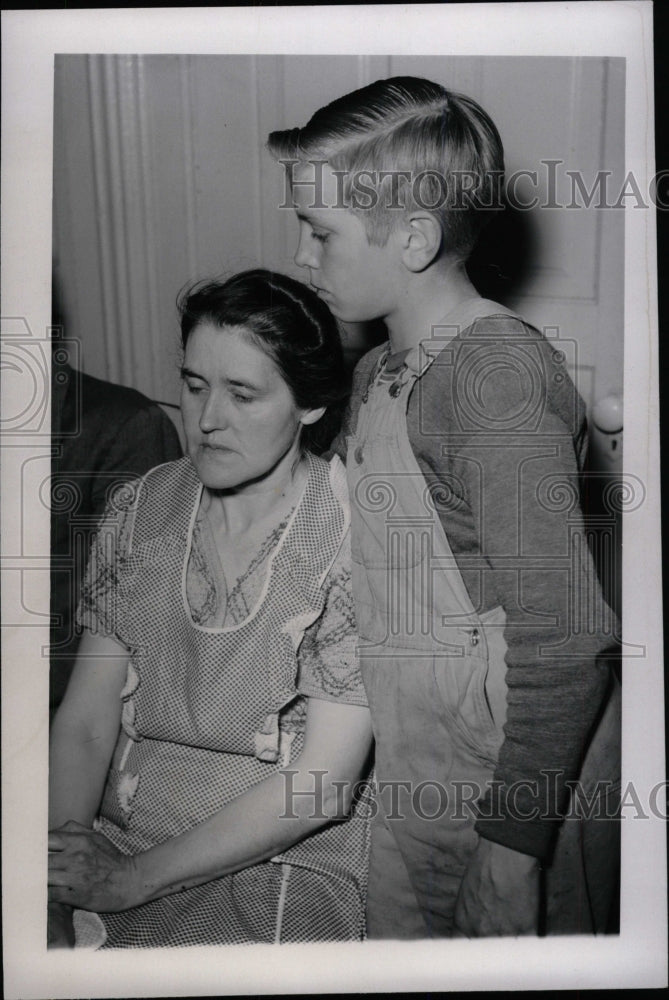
559 637
542 573
517 484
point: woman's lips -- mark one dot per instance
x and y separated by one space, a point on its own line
215 447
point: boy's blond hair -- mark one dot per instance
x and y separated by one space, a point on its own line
417 145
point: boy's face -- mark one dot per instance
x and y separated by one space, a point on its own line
356 280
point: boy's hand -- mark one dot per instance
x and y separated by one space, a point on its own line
499 894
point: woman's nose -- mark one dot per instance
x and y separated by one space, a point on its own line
213 416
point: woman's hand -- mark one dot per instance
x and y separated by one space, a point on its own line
60 929
87 871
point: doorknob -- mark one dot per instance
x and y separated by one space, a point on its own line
607 417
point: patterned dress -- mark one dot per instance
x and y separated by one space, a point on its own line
215 701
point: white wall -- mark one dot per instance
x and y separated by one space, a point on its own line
160 177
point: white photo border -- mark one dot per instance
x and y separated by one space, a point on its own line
635 958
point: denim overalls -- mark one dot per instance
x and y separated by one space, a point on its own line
434 670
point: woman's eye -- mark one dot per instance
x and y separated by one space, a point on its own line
195 388
242 399
321 237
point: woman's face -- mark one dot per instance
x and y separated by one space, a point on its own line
239 416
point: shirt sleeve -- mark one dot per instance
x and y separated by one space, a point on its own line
328 666
558 649
100 608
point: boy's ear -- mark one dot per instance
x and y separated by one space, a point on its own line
421 240
312 416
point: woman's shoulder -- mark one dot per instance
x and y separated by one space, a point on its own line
170 472
161 497
329 478
166 478
324 516
130 493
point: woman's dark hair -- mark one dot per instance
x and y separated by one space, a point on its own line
287 321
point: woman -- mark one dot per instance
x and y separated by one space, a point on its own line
219 648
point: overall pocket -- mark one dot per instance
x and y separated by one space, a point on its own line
473 690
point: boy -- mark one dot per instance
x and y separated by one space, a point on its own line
463 443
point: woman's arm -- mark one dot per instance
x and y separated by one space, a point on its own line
267 819
83 735
85 729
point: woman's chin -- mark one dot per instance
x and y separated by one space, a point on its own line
217 477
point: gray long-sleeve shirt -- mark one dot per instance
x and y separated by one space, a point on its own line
498 429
